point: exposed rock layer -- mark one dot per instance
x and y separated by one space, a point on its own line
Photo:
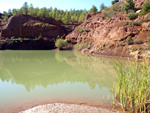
108 36
28 26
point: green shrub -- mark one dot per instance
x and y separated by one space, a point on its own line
47 24
129 40
82 30
145 8
58 36
60 43
141 48
130 23
132 16
39 37
5 18
134 49
15 39
128 5
136 22
131 87
37 24
144 20
25 24
109 14
119 43
138 41
82 45
116 7
87 30
148 37
148 47
26 38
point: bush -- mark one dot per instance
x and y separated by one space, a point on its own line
148 47
136 22
144 20
141 48
80 46
134 49
131 23
25 24
60 43
5 18
148 37
116 7
119 43
127 6
109 14
145 8
37 24
82 30
138 41
132 16
129 40
39 37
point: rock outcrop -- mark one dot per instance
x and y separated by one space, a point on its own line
28 26
107 36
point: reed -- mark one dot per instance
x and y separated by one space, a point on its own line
132 86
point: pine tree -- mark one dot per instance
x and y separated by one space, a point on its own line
66 19
82 17
14 11
93 9
43 12
9 12
102 6
31 10
25 8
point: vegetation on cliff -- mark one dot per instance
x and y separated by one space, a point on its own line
60 43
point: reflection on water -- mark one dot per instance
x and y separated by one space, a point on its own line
54 74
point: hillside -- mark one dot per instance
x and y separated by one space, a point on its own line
106 33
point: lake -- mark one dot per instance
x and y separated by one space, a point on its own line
31 78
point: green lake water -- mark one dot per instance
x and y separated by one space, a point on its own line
31 78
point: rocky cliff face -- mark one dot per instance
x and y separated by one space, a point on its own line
28 26
107 36
25 26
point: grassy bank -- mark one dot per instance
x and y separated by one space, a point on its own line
132 85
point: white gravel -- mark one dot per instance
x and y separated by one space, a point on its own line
66 108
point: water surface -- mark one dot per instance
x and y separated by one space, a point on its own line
30 78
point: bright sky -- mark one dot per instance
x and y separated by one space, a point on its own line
59 4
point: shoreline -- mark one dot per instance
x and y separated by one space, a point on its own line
67 108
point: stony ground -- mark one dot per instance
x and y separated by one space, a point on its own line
67 108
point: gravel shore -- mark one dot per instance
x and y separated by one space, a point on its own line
67 108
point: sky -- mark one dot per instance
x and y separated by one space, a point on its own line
59 4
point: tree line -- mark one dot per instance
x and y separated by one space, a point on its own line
67 17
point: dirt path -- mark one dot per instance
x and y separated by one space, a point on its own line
66 108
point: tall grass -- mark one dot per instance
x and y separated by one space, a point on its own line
132 85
